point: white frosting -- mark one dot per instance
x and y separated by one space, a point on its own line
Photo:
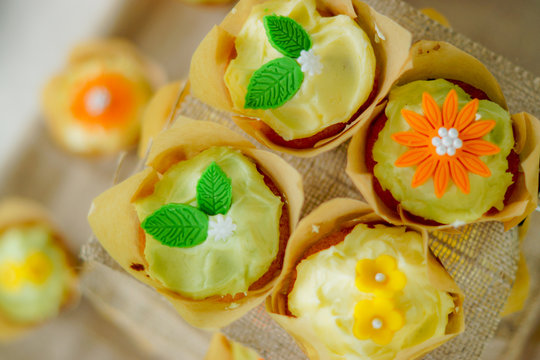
221 227
310 62
97 100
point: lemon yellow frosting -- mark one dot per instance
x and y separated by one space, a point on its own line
34 274
218 266
325 293
329 97
454 205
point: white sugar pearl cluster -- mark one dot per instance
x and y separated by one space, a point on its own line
97 100
448 142
310 63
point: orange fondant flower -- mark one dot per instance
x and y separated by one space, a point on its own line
445 144
380 276
377 319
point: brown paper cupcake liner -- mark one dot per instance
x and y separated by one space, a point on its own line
116 225
329 217
390 41
432 60
19 211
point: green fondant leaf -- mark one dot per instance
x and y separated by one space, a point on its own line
177 225
275 83
286 35
214 191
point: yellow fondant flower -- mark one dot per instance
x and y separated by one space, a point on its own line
38 268
380 276
377 319
11 276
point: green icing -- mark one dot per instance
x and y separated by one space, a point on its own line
216 267
454 205
273 84
177 225
286 35
31 303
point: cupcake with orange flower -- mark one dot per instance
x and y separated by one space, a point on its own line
94 106
37 276
357 287
446 151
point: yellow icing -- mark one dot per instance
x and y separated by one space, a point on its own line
216 267
331 97
325 294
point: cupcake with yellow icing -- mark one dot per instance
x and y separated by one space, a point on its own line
446 151
37 279
356 287
222 348
94 106
300 74
207 222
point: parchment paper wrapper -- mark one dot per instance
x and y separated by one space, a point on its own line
58 115
116 225
436 59
17 212
331 217
159 113
212 57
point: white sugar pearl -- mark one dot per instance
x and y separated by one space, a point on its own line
443 132
376 323
440 150
478 116
457 143
453 133
380 277
451 151
97 100
436 141
447 141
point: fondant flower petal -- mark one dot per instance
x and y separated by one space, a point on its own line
460 176
477 129
450 109
431 110
480 147
394 320
386 263
397 281
382 336
424 171
441 177
409 138
417 122
466 115
474 165
412 157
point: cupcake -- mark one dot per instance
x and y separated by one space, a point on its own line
445 151
356 287
223 349
206 224
37 278
300 74
94 106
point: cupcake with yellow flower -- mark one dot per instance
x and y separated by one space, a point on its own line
94 106
356 287
37 278
446 151
222 348
300 74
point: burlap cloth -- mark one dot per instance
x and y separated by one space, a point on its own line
481 258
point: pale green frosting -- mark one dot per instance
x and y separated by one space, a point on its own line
454 206
30 302
216 267
331 97
325 293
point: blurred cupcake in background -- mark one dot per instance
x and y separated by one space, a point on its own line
222 348
94 106
37 275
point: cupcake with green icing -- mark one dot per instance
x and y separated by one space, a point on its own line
445 151
206 224
356 287
37 278
300 74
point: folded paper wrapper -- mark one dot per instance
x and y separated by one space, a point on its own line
481 258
